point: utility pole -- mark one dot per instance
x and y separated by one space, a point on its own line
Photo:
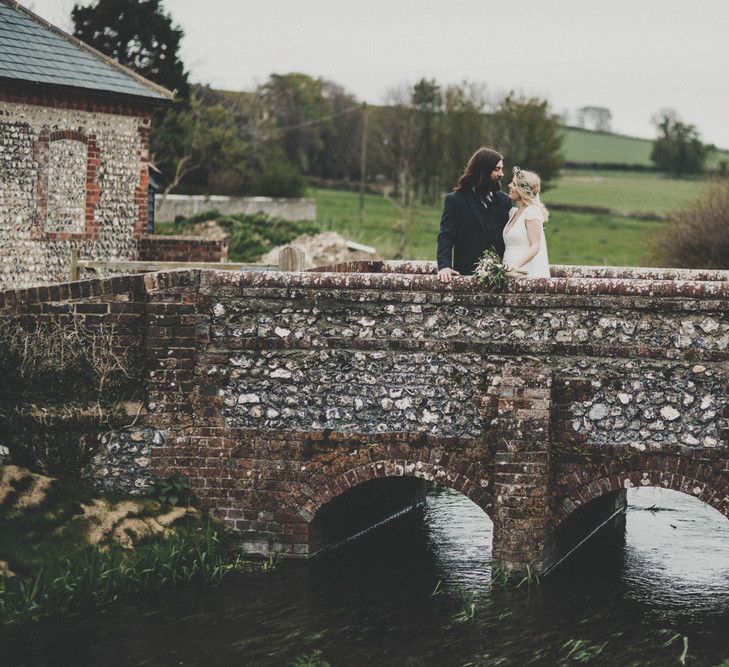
363 165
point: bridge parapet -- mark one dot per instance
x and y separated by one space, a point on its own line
277 392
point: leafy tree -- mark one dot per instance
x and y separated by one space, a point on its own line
138 34
341 135
678 149
394 136
319 124
597 118
528 134
207 147
254 123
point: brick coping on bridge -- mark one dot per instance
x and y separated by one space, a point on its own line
362 275
414 275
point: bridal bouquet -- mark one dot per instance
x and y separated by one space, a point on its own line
492 272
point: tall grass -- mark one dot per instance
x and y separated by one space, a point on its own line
93 576
503 578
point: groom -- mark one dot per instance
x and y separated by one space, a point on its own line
474 216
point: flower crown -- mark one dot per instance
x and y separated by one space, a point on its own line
521 183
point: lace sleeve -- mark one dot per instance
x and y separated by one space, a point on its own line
534 213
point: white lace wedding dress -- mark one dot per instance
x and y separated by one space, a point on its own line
517 242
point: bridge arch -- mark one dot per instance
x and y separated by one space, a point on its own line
694 478
350 469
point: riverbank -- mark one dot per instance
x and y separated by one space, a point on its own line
64 547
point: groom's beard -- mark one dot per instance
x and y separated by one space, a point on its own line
489 188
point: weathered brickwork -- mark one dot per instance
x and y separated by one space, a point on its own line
181 249
73 174
274 393
520 405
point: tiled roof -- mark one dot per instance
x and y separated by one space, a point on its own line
32 50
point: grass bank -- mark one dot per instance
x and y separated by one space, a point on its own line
588 147
64 548
624 192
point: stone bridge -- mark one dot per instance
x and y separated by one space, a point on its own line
277 395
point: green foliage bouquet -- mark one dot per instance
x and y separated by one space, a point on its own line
492 272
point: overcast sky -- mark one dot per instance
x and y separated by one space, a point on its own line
632 56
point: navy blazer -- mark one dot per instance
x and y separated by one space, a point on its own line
467 228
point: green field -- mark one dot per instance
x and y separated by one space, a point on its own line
587 147
573 238
626 192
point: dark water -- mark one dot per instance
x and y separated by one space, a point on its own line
629 591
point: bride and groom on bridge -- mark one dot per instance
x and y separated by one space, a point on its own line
478 217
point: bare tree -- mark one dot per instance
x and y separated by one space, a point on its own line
397 133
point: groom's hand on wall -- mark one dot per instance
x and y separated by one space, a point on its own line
445 275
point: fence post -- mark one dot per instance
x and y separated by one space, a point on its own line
74 265
291 258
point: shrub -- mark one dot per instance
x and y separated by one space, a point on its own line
279 179
249 236
699 235
170 491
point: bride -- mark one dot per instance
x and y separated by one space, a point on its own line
526 246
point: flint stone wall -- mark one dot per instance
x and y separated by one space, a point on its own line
370 360
73 174
122 463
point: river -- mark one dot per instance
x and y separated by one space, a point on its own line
651 594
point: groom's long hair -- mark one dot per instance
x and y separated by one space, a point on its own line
477 175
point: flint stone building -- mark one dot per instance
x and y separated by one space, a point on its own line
74 151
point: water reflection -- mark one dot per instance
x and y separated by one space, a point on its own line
370 602
676 553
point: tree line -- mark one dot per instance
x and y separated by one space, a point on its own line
265 141
294 126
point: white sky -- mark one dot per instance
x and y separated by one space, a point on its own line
632 56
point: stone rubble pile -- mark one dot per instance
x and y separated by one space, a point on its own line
321 250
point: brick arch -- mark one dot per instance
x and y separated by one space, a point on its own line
696 478
349 469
